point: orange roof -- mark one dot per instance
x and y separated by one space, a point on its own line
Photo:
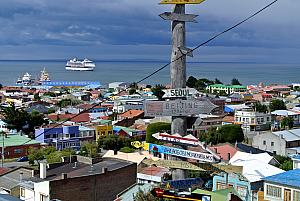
84 117
228 119
132 113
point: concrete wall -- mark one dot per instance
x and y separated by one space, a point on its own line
42 188
101 187
268 137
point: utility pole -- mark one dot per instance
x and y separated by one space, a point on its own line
2 158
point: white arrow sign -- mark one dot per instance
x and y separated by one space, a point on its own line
180 92
189 139
178 107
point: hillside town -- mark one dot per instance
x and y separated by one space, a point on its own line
104 142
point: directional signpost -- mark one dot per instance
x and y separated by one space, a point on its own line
186 140
178 108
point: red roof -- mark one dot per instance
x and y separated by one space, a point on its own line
84 117
131 114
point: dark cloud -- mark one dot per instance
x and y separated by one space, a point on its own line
81 23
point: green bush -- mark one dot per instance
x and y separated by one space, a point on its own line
155 128
127 150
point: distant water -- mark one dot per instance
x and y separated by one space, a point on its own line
111 71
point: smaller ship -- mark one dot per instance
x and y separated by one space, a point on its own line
44 77
77 65
25 80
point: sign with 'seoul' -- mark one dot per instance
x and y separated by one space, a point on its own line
180 92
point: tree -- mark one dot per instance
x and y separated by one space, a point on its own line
235 81
287 122
132 91
284 163
36 97
155 128
89 149
145 196
35 155
227 133
277 104
14 118
34 119
191 82
260 107
148 86
217 81
158 91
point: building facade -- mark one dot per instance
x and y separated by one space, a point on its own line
251 120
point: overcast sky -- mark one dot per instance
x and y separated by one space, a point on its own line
132 29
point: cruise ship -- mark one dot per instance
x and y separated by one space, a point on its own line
77 65
44 77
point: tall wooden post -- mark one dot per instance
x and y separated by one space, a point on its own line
178 76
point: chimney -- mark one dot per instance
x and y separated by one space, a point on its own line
64 176
21 176
115 152
32 173
104 170
43 170
75 165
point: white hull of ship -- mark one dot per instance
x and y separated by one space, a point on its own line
80 68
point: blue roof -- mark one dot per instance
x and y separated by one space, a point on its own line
289 178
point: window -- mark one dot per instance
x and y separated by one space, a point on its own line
42 197
268 118
264 142
272 144
221 185
273 191
18 151
296 195
22 192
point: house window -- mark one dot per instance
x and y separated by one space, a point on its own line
264 142
273 191
18 151
296 195
221 185
272 144
22 192
42 197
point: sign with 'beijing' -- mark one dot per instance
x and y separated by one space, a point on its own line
178 107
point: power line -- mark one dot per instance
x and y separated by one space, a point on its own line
209 40
161 68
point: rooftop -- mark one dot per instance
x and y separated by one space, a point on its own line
290 178
16 140
289 135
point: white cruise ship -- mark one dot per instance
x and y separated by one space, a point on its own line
77 65
25 80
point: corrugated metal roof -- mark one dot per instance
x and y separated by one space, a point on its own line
289 135
290 178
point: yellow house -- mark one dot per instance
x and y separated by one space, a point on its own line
104 129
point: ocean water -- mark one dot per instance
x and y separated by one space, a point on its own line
129 71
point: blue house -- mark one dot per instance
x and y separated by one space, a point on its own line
65 136
283 186
238 182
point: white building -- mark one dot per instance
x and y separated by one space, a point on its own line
281 142
251 120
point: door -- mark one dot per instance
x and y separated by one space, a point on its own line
287 195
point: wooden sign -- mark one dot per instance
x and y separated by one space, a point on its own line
181 1
180 92
178 108
189 140
173 164
178 17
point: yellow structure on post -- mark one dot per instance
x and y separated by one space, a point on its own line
181 1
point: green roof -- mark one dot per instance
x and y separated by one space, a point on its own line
219 195
16 140
228 86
